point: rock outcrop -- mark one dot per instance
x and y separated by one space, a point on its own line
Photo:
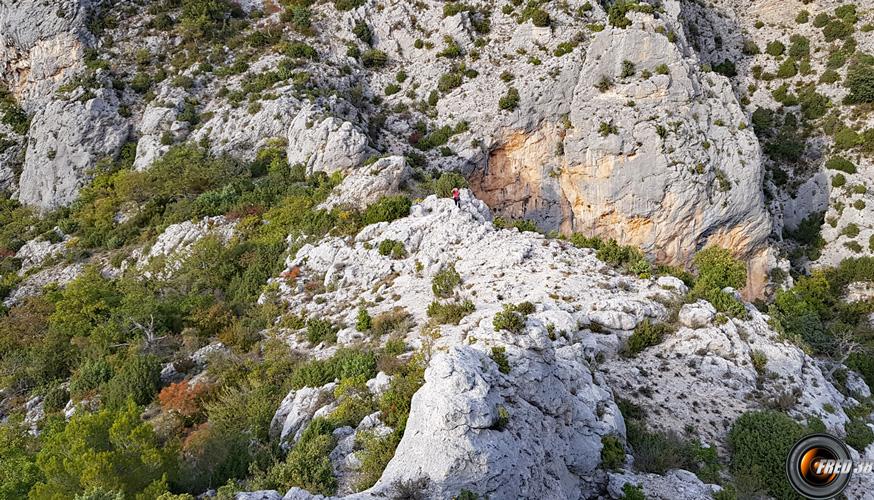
325 144
566 369
653 153
367 184
66 139
41 46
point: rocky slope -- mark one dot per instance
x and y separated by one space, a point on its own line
566 365
631 135
603 137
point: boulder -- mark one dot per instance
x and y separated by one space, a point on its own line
297 409
325 144
676 484
697 315
367 184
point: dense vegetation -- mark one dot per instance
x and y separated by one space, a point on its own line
111 337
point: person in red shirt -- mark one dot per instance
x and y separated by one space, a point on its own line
456 197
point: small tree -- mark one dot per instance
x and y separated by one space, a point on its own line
362 323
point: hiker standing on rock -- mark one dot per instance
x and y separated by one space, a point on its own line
456 197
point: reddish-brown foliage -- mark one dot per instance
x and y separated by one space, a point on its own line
184 399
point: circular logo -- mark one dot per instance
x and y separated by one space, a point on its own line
819 466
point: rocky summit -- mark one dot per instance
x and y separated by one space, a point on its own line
461 249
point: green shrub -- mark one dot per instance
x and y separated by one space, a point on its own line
373 58
344 5
520 224
851 230
449 313
860 82
99 450
759 443
847 13
437 137
540 18
363 320
321 330
632 492
717 269
615 254
138 379
499 356
838 180
605 129
447 182
837 30
840 163
452 49
395 402
802 17
847 138
510 100
503 417
821 20
12 114
775 48
560 50
55 399
759 360
392 248
859 435
90 375
647 334
799 47
307 464
616 13
363 32
509 319
387 209
346 363
449 81
726 68
612 453
376 452
627 69
444 282
788 68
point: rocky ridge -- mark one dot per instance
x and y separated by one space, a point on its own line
566 368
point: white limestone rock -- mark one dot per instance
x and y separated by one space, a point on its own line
549 446
676 484
705 375
325 144
59 275
697 315
379 384
297 409
66 139
158 119
365 185
41 46
178 239
238 132
35 252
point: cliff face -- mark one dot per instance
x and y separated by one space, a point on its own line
652 153
260 184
